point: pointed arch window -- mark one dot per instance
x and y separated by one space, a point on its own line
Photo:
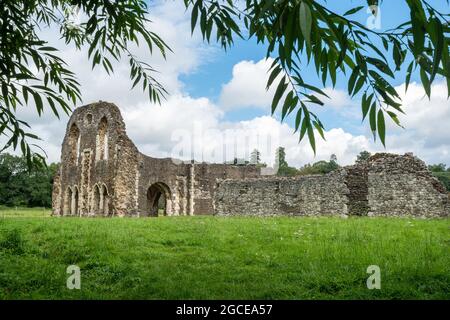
74 144
102 140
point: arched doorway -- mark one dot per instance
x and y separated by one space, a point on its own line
158 199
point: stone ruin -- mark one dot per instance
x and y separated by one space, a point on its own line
102 173
384 185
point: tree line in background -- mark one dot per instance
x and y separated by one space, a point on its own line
322 167
21 185
440 172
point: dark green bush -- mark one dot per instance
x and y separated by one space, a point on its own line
444 177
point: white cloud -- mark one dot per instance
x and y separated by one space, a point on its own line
151 126
247 88
196 127
338 99
159 130
169 20
426 123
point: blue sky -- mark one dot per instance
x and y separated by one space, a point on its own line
208 79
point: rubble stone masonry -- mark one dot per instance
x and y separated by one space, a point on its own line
102 173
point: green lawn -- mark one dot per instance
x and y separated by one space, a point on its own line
229 258
7 212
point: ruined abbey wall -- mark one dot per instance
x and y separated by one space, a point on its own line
385 185
297 196
102 173
402 185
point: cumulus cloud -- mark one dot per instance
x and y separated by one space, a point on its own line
426 123
172 23
187 127
247 87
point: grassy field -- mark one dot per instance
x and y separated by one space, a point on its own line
223 258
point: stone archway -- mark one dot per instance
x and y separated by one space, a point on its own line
105 201
100 204
159 200
96 205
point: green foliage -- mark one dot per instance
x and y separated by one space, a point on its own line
21 185
437 167
226 258
444 177
280 157
296 32
12 242
283 169
286 171
301 31
363 156
320 167
32 72
438 170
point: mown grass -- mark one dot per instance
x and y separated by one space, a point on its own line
9 212
224 258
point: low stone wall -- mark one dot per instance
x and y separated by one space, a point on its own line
304 195
385 185
403 186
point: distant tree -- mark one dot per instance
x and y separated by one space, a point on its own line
280 157
440 172
332 164
255 157
287 171
333 158
320 167
281 164
437 167
444 177
363 156
21 185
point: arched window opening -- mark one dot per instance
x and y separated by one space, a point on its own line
106 200
74 207
102 140
96 200
88 119
158 199
74 144
78 150
67 202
